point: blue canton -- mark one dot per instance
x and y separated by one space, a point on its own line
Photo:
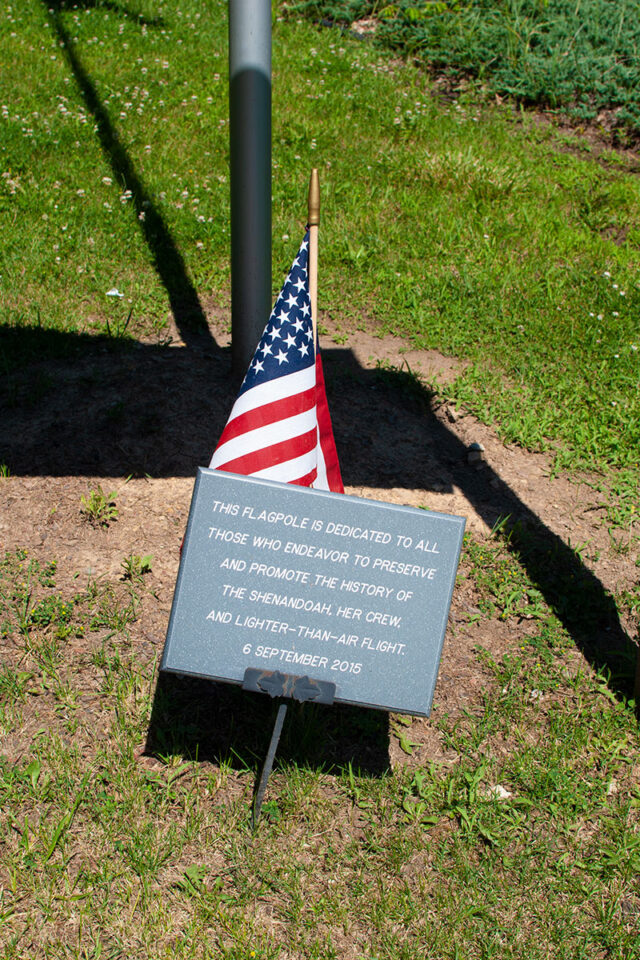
286 345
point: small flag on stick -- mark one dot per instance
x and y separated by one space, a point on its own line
280 427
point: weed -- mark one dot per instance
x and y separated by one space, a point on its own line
13 684
99 507
135 568
112 609
192 881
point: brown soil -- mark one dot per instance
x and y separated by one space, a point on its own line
139 421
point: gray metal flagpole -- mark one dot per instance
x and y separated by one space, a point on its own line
250 156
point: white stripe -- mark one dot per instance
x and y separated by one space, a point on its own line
263 437
290 469
272 390
322 481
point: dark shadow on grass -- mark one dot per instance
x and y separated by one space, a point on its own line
74 404
167 259
222 723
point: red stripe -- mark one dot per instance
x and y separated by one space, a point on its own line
268 413
307 480
250 463
328 444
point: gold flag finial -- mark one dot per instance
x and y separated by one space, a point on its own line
314 198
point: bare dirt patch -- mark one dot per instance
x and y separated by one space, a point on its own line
138 421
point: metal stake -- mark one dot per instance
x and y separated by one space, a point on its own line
250 154
268 764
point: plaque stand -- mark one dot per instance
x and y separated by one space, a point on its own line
278 684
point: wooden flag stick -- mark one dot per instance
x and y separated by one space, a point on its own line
314 220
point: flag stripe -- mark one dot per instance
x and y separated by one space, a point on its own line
277 389
276 453
265 438
307 480
268 413
322 481
290 471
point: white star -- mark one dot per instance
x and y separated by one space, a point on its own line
298 324
274 333
282 358
309 334
290 341
283 317
266 349
304 349
299 285
292 301
306 309
258 366
304 245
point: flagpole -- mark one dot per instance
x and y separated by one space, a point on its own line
314 220
250 175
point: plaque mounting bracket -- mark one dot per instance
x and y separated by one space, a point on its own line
286 685
278 684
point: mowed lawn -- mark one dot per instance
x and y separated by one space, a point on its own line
469 227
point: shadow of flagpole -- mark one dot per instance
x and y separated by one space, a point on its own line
168 262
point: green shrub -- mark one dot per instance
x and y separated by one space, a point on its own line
581 56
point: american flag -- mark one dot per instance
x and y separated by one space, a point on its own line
279 427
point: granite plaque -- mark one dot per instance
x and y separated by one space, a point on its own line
305 582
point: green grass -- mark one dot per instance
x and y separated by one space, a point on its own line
471 229
521 840
576 58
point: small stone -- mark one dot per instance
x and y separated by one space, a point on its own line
475 453
499 792
452 414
